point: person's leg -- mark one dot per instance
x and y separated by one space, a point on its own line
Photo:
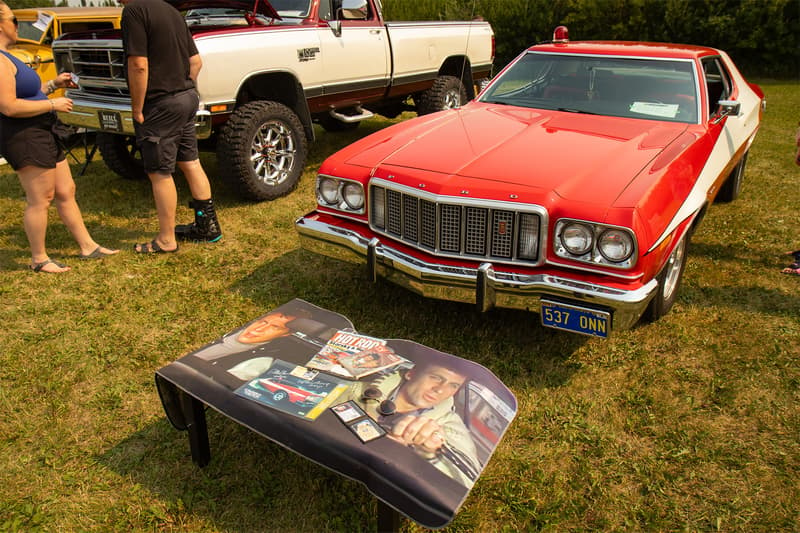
39 186
70 213
205 227
196 178
166 199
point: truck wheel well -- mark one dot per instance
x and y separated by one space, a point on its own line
281 87
460 67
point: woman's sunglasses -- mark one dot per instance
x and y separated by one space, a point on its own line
14 20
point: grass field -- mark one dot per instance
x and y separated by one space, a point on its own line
688 424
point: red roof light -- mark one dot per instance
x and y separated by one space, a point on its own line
561 34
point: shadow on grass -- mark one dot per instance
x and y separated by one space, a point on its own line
250 484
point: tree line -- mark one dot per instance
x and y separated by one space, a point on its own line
762 36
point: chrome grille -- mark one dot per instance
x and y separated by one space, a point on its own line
453 227
101 70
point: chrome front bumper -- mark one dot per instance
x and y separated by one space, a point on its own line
86 113
483 286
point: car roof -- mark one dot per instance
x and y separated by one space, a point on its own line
69 11
627 48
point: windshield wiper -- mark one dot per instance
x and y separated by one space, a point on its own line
571 110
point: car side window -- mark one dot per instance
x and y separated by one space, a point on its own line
718 82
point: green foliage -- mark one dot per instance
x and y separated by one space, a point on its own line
20 4
763 36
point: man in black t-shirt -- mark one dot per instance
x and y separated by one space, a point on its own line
162 65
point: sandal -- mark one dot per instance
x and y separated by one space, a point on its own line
37 267
152 247
795 255
98 253
793 270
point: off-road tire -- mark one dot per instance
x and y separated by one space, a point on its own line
733 184
262 150
447 92
121 154
669 281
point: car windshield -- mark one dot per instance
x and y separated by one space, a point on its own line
31 30
287 9
653 89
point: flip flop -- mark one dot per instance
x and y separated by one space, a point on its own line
795 255
98 253
791 271
37 267
152 247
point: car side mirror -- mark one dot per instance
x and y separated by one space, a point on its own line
726 108
336 27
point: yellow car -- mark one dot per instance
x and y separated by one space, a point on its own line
39 27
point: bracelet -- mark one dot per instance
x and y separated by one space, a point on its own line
51 87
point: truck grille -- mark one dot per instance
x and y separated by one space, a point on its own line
497 231
101 70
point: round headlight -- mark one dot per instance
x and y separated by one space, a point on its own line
615 245
329 190
353 195
577 238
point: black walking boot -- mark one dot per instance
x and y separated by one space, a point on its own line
205 227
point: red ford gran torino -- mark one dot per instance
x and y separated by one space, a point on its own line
570 186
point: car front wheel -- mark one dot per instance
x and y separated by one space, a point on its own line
669 280
263 149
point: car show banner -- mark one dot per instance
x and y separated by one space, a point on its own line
415 425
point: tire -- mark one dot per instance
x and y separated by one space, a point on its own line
330 124
669 280
279 395
447 92
262 150
733 184
121 155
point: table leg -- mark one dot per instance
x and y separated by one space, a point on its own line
195 414
388 519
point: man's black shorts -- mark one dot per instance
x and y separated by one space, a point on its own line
168 132
30 141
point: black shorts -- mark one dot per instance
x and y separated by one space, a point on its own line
168 132
30 141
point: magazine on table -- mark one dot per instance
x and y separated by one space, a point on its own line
352 355
294 389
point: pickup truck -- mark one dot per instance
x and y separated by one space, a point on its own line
271 70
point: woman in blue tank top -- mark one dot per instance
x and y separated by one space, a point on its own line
29 145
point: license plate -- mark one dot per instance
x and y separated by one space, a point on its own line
576 319
110 121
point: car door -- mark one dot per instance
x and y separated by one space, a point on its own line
355 53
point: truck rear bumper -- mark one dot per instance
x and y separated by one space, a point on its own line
117 118
483 286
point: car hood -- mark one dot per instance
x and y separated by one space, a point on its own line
576 156
262 7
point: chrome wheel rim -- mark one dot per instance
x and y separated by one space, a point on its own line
452 100
674 265
272 153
